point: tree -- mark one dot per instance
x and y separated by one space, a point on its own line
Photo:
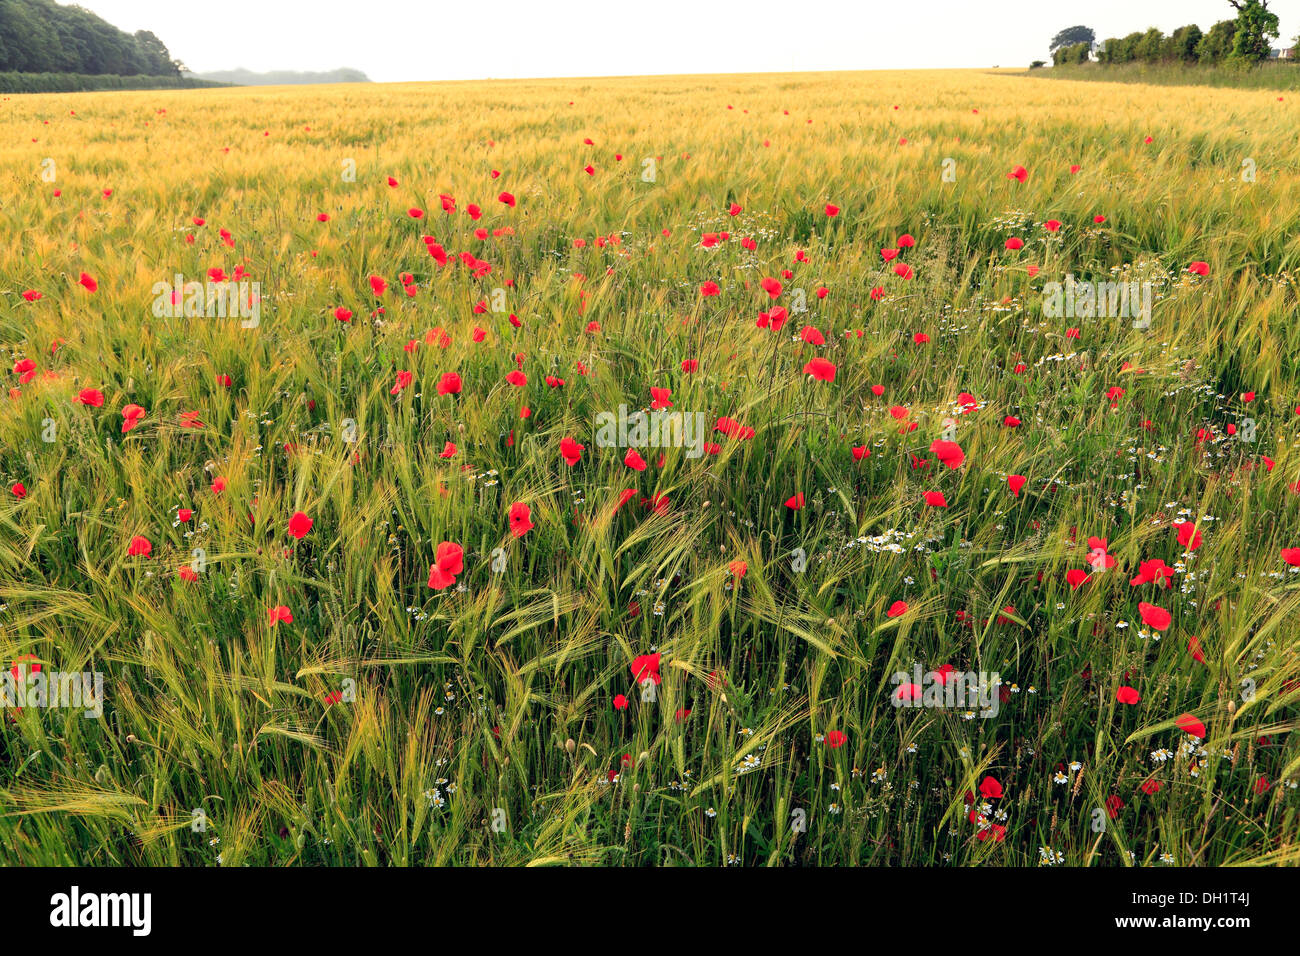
1149 46
1182 43
1256 24
1217 44
1072 35
40 36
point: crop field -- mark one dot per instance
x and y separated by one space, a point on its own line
766 470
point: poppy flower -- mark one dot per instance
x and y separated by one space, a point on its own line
646 667
710 289
140 546
832 209
299 524
897 609
571 451
907 692
634 460
507 198
131 416
449 384
738 568
836 739
1155 617
1189 724
772 287
520 519
1015 483
1019 173
448 450
18 490
1015 243
935 499
1127 695
517 378
279 613
91 397
449 561
821 369
88 282
795 502
990 789
1199 268
1291 556
1076 578
948 452
343 314
1188 535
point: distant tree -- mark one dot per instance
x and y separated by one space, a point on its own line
1070 36
1217 44
1038 64
40 36
1256 24
1181 44
1125 48
1149 46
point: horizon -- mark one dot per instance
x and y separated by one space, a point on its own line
994 34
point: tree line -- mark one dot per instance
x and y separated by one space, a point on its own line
40 36
1243 39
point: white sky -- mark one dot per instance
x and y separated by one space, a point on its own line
395 40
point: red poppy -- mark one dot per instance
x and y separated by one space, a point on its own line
520 519
821 369
1155 617
131 416
571 451
1189 724
299 524
449 561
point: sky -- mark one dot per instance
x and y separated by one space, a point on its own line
404 40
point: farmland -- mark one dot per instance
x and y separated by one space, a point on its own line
365 581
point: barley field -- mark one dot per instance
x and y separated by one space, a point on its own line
912 561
